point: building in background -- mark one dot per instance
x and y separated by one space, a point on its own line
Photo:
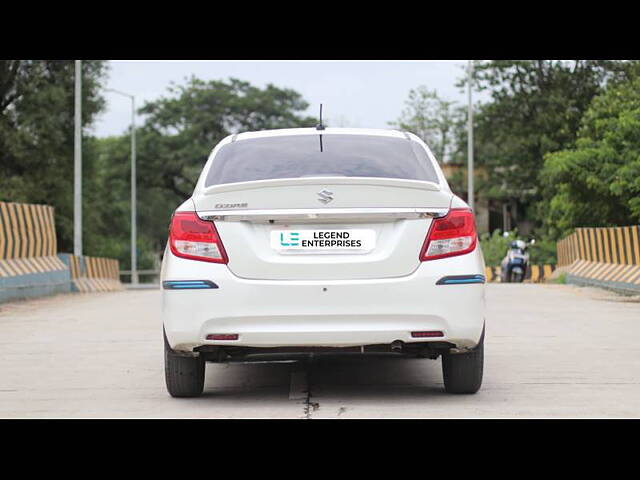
491 214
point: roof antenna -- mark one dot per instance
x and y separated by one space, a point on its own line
320 126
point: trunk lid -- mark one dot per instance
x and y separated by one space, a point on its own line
263 223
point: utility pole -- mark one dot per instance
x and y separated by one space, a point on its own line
134 230
77 164
470 139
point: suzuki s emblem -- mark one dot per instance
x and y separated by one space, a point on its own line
325 196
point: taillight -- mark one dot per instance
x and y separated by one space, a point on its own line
452 235
196 239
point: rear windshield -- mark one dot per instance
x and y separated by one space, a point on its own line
295 156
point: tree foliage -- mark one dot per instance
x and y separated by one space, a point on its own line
536 107
435 120
181 129
597 183
37 133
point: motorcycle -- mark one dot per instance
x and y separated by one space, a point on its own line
513 267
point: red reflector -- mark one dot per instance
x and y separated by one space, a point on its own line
430 333
222 336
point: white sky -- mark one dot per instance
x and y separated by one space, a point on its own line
364 94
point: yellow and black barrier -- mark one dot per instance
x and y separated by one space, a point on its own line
93 274
29 263
603 256
492 274
26 231
29 266
535 273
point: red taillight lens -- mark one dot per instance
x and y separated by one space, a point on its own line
222 336
452 235
196 239
428 333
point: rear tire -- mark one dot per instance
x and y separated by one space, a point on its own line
184 375
462 372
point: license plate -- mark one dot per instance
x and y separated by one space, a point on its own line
323 241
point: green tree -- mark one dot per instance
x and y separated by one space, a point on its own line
36 133
536 107
597 183
435 120
180 130
107 227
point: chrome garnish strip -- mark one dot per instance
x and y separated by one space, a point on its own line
321 213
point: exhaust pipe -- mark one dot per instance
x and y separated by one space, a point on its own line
396 346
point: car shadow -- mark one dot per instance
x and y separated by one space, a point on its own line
375 377
330 375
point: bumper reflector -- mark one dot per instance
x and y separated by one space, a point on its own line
222 336
429 333
460 279
187 284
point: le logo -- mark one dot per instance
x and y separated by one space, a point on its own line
289 239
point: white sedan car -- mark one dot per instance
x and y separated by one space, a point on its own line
308 240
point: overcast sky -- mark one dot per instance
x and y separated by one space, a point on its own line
365 94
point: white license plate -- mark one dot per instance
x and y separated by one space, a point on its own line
323 241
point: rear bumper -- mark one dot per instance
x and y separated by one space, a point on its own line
332 313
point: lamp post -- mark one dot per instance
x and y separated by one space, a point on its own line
77 162
470 139
134 253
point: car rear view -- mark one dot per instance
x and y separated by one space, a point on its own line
308 240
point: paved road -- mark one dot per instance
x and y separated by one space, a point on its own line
551 351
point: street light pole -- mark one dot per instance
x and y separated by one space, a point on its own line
134 232
134 209
77 163
470 200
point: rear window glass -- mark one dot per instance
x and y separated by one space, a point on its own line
295 156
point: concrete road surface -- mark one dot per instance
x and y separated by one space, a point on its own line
551 351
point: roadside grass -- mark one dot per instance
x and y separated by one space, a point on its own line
562 279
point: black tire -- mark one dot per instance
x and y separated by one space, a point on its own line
462 372
184 375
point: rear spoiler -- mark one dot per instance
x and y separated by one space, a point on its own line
283 182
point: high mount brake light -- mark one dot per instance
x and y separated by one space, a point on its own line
454 234
196 239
